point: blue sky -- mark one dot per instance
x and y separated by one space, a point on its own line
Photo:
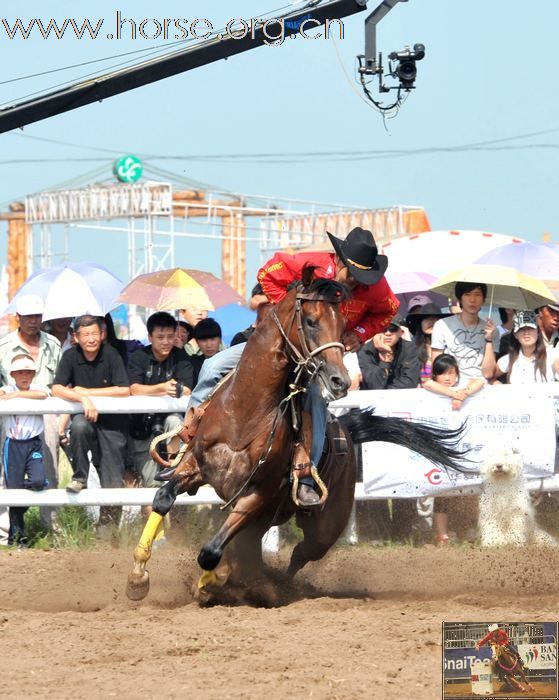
488 75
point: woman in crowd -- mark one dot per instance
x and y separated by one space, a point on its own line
420 323
528 360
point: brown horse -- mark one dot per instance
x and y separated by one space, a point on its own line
508 665
244 443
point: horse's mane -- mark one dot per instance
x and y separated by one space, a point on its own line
329 290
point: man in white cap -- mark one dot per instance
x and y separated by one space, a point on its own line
497 635
23 445
44 349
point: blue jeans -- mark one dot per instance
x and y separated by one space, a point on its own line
317 407
213 369
216 367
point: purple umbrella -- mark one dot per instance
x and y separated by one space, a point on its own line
406 285
534 259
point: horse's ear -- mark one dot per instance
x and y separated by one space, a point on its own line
308 275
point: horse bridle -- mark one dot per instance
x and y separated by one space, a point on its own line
304 360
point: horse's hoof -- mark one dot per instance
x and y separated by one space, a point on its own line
137 586
209 578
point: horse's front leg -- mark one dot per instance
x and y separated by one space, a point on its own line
246 508
529 686
137 585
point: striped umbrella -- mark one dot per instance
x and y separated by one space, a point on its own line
177 288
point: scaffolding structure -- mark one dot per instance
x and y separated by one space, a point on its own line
151 214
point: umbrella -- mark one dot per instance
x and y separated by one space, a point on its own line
232 319
406 285
177 288
435 251
535 259
506 286
72 289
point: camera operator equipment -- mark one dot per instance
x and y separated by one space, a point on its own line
405 71
159 369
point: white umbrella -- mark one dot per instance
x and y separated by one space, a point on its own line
437 252
72 289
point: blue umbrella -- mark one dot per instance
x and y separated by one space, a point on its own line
533 259
232 319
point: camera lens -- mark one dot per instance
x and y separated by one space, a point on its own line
407 72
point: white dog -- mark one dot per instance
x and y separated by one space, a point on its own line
506 513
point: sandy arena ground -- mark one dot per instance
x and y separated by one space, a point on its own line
373 631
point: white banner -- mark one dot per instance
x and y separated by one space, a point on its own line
521 416
539 656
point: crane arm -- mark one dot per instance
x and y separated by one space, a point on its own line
213 49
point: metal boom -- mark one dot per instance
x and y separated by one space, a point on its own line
104 86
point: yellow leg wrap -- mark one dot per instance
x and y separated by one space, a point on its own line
152 529
209 578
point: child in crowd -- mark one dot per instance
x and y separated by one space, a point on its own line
445 380
23 446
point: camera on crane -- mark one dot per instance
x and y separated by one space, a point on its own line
406 70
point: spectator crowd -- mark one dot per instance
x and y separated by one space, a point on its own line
454 355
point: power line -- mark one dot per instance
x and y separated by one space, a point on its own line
292 158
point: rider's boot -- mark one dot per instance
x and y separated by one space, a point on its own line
306 494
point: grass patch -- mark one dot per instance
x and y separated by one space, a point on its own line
73 529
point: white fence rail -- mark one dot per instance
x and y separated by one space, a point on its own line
381 468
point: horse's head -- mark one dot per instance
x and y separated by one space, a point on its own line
498 649
313 332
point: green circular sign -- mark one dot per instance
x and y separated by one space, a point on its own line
128 169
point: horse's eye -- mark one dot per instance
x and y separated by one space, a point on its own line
311 322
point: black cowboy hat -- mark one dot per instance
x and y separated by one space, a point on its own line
360 254
414 319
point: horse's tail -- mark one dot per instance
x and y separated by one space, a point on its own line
438 445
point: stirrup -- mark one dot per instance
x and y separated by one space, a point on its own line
185 432
321 489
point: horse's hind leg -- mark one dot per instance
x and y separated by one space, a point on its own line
210 555
137 586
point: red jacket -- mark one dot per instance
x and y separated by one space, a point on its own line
369 309
499 636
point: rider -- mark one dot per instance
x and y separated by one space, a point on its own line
368 311
497 635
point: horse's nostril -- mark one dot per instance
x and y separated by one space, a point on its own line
338 382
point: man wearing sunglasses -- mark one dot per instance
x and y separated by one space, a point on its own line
395 366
